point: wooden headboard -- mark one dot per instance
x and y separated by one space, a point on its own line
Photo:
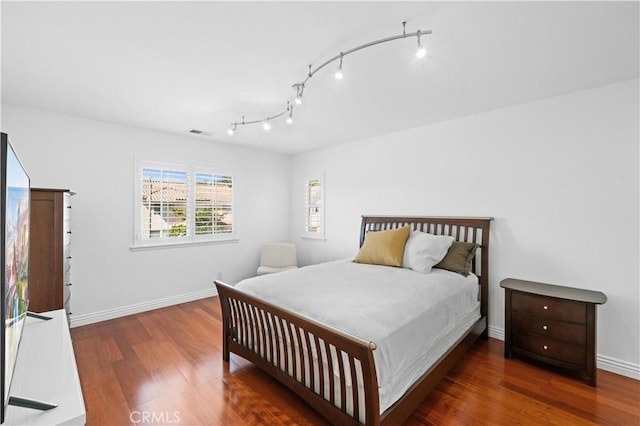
469 229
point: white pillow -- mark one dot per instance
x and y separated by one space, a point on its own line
423 250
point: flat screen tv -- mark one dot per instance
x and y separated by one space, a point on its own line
15 197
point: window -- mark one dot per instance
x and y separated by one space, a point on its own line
314 207
177 204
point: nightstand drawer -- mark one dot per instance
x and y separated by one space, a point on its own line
563 310
550 348
566 331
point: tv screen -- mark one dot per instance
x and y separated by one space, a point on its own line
14 240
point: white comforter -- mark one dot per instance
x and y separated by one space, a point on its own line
402 311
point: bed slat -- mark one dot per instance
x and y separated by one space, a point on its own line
328 350
294 350
321 391
343 386
354 388
273 339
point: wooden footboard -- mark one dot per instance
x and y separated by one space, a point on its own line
280 341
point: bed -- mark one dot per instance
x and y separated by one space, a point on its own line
332 364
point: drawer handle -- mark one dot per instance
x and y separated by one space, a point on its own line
545 307
544 327
545 347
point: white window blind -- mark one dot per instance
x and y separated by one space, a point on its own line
314 207
164 203
181 204
214 204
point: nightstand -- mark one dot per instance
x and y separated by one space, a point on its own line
552 324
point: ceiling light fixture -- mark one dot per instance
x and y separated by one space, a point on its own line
299 87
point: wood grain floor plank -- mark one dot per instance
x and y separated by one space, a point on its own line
108 402
167 365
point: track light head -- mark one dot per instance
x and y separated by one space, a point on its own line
299 91
338 75
421 52
289 118
266 125
232 130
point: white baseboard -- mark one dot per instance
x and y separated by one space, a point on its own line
606 363
85 319
618 366
496 332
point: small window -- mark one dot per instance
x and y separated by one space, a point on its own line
314 209
182 204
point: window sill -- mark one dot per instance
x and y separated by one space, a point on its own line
314 237
144 247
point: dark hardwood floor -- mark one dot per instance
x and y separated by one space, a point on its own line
165 367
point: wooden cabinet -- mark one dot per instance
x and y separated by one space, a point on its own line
50 250
553 324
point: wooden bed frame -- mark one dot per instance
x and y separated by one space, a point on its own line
256 330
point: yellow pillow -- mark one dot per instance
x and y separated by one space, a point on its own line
384 247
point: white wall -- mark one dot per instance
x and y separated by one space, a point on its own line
560 176
96 160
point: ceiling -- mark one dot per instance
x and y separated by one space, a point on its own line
177 66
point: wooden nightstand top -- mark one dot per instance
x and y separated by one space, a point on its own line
550 290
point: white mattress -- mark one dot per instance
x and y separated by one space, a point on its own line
411 317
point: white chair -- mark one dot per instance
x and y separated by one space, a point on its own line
276 257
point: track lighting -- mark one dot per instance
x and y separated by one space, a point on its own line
421 52
338 75
299 87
